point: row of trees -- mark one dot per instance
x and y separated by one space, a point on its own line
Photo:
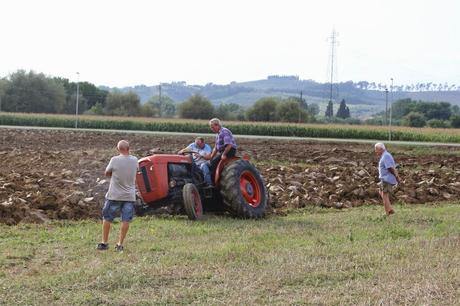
414 113
342 113
36 93
266 109
32 92
429 86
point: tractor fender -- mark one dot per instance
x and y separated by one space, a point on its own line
223 163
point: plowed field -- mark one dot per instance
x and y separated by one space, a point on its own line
51 174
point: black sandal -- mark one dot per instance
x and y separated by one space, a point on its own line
102 246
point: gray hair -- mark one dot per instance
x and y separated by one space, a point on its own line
123 145
380 145
215 121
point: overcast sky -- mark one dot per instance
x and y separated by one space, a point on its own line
124 43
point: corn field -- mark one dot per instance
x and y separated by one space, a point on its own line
241 128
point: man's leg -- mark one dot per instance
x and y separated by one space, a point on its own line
386 201
231 153
207 175
107 217
213 165
127 213
123 231
105 231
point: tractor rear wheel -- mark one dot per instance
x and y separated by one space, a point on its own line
243 190
192 202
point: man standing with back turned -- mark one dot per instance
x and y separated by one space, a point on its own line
388 176
121 194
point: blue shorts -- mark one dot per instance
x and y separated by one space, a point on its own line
112 208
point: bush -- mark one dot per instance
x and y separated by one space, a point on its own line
455 121
414 119
437 123
264 109
196 107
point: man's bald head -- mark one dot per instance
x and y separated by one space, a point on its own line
123 147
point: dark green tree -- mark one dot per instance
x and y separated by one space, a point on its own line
122 104
89 95
148 110
414 119
168 106
264 110
343 111
402 107
329 110
455 110
292 111
438 123
455 121
32 92
3 85
229 111
313 109
196 107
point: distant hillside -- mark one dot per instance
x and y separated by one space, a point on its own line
364 98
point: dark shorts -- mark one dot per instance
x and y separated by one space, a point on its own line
385 187
113 208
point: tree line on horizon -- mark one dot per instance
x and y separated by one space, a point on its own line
32 92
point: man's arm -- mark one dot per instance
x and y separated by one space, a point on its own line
226 150
183 151
213 153
108 170
395 173
187 149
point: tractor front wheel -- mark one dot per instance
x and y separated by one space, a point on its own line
243 190
192 202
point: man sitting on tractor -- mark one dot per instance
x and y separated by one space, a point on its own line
201 152
225 145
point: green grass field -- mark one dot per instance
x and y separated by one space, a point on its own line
314 256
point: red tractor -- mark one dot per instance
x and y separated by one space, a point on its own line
175 181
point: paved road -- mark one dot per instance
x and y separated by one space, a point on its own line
405 143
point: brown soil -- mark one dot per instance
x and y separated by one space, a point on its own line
50 174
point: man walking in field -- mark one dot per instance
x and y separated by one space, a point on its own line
121 194
388 176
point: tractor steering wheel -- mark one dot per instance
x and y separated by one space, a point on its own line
189 152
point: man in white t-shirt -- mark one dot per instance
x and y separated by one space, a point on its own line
202 150
121 194
388 176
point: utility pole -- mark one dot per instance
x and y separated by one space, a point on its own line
386 105
76 104
300 105
391 109
333 41
159 100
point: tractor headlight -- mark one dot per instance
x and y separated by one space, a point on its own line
172 183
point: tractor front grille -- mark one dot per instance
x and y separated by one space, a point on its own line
145 176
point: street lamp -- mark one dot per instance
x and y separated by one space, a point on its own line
391 109
76 104
386 105
159 100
